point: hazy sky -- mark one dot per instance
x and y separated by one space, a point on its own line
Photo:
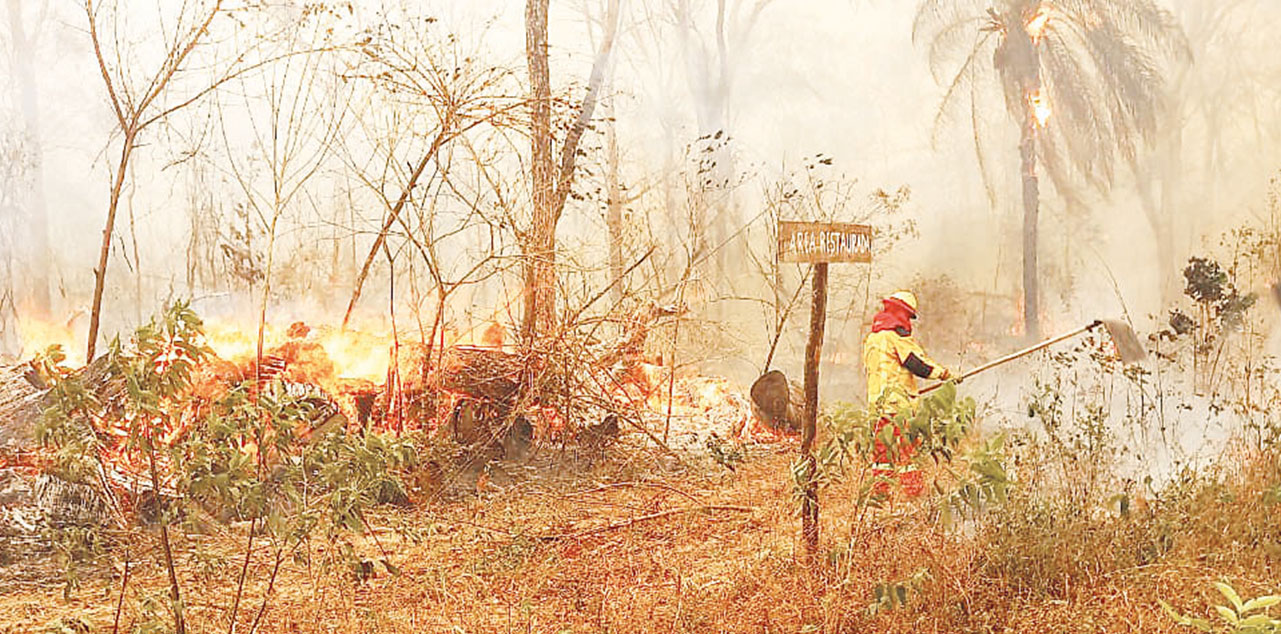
840 77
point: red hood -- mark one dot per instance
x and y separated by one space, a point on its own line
894 316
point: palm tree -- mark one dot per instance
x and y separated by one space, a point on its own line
1083 79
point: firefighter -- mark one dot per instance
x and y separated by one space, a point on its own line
894 360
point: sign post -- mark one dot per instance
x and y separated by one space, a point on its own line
819 243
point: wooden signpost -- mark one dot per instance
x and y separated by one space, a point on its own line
819 243
823 242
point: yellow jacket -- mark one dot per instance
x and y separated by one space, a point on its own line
894 361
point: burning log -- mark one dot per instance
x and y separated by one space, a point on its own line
299 360
482 372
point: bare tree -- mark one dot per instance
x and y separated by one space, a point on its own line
715 39
139 104
411 74
295 112
550 186
713 53
13 170
617 194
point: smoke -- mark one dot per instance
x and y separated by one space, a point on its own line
796 79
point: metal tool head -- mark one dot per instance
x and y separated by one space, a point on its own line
1128 346
770 394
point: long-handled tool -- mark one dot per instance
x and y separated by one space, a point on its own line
1127 345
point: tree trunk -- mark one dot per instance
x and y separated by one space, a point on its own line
104 251
36 248
1031 210
777 402
540 243
614 208
393 215
551 188
613 174
724 218
1171 197
131 114
813 354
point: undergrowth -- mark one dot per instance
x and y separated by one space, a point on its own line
281 525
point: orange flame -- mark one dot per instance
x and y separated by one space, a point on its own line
1036 25
355 354
38 335
375 379
1040 107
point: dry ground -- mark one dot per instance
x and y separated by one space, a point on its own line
584 551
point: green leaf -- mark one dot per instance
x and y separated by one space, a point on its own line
1260 603
1227 614
1227 591
1258 621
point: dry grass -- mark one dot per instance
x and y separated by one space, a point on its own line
481 564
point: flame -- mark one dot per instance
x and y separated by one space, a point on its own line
1036 25
375 378
1040 107
231 343
354 354
715 404
37 336
711 394
359 355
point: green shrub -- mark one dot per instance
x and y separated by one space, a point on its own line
1238 616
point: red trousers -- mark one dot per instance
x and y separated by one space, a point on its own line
899 466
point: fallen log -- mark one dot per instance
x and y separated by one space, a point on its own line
482 372
31 501
31 504
22 393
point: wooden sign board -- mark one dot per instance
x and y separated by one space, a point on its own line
824 242
818 243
